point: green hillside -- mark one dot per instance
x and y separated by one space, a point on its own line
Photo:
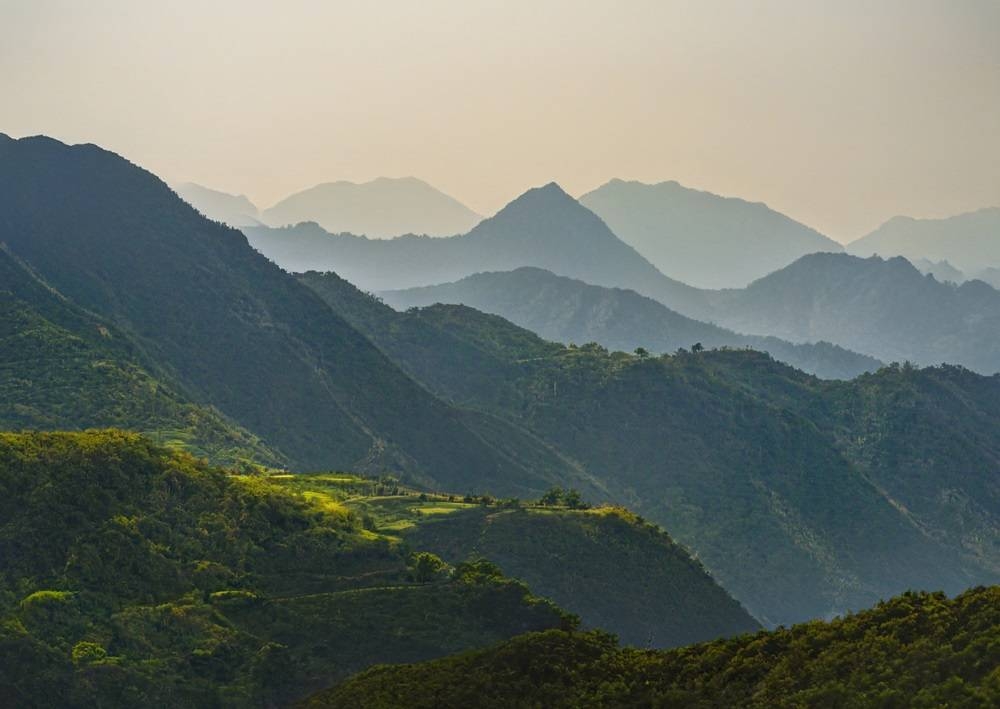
916 650
133 575
839 492
602 564
238 333
62 368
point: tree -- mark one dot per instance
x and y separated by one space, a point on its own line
552 497
697 347
573 500
641 352
425 566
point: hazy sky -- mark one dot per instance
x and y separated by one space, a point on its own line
839 113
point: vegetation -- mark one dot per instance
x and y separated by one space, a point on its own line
62 368
840 493
134 575
234 331
916 650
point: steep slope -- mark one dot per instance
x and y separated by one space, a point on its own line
914 650
63 368
137 577
603 564
741 458
544 227
380 209
970 241
701 238
235 330
234 210
566 310
886 309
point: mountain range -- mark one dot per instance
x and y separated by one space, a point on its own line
802 497
736 455
883 308
969 242
234 210
544 227
567 310
701 238
230 329
380 209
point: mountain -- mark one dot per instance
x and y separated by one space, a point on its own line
379 209
566 310
544 227
64 368
239 334
883 308
941 270
701 238
236 211
970 241
134 576
918 649
840 493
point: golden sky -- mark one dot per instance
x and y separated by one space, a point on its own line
840 114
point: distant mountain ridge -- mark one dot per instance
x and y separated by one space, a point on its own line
234 210
883 308
567 310
544 227
700 238
379 209
970 241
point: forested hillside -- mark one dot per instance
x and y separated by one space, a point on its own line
841 492
236 332
916 650
63 368
134 575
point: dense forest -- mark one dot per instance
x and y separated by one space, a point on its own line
134 574
916 650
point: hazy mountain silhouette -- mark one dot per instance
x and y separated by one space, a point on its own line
234 210
567 310
234 330
379 209
702 238
941 270
544 227
970 241
883 308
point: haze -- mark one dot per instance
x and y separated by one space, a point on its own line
840 114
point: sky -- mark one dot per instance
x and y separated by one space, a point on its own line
840 114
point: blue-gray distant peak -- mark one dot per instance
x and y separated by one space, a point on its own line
969 242
702 238
381 208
